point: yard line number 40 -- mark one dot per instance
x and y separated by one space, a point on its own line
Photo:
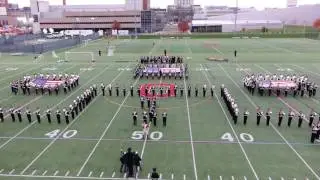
245 137
65 135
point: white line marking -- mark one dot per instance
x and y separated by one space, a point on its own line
190 131
234 132
294 178
22 130
313 99
280 99
90 173
72 122
3 100
44 173
284 139
269 178
124 175
55 173
62 177
148 175
11 172
22 72
305 69
220 177
160 176
101 174
209 178
232 177
276 47
282 178
1 171
184 177
67 173
172 176
145 139
105 131
244 177
33 172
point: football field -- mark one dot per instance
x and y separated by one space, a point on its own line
200 141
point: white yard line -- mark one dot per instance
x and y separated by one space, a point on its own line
160 176
234 132
143 149
67 173
27 127
44 173
313 99
113 174
72 122
269 178
184 177
6 99
105 131
284 139
55 173
22 72
33 100
12 171
145 143
220 177
232 178
33 172
276 47
209 178
244 177
109 125
172 176
63 177
280 99
190 131
1 171
90 173
8 87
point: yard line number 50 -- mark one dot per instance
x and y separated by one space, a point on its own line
138 135
66 135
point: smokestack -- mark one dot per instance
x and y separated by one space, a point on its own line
64 2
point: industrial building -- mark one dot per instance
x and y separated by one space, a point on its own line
10 12
134 16
269 18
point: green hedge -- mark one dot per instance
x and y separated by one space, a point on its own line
230 35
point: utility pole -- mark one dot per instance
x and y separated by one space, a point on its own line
236 16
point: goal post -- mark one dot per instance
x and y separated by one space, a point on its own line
79 56
84 43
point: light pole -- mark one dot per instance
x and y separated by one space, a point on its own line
236 16
135 19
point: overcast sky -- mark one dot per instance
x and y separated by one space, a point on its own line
259 4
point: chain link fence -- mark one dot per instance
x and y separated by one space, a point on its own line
37 44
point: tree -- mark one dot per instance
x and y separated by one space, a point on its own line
115 25
183 26
316 23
